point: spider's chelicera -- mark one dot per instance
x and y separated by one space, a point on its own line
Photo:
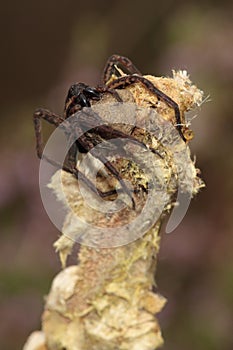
79 96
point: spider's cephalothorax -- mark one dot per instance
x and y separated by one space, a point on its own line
119 73
79 96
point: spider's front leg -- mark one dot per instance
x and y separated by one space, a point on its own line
48 116
69 164
54 119
70 161
88 145
113 63
127 80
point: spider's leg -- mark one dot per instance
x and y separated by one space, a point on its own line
88 120
117 60
132 79
70 165
107 133
80 176
89 147
50 117
114 93
54 119
91 121
115 173
72 168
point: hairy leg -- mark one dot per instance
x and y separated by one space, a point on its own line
115 61
127 80
70 162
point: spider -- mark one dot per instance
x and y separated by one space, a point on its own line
79 96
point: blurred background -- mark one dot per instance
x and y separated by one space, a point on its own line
48 45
